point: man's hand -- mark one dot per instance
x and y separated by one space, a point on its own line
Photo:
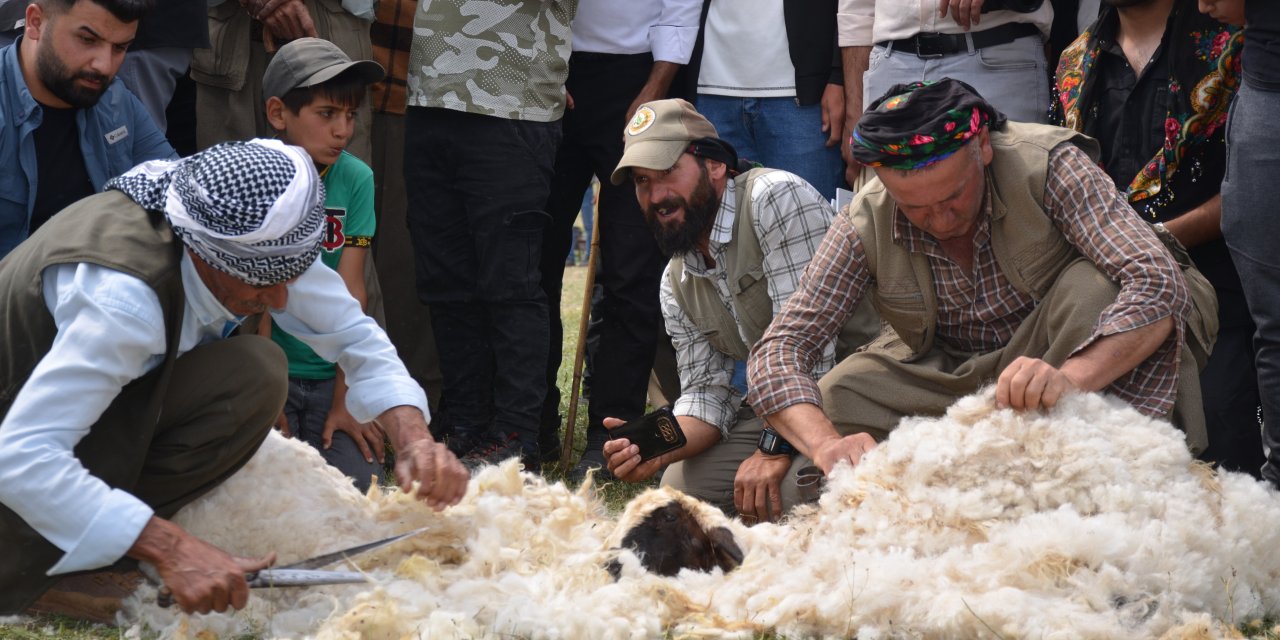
1031 383
757 487
367 436
623 458
282 425
285 19
849 448
966 13
201 577
442 480
833 115
655 88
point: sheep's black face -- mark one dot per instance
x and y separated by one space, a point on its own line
669 539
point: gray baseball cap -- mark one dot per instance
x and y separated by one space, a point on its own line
310 61
658 134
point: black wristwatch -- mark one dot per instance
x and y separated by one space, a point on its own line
774 444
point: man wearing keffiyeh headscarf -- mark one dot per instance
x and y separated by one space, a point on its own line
122 398
997 252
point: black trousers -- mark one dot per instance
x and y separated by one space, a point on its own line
476 187
629 263
219 403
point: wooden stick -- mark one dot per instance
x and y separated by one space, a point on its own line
580 352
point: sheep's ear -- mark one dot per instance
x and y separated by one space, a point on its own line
728 554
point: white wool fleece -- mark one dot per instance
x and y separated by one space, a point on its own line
1086 521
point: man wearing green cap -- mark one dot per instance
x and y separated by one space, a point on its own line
740 242
998 252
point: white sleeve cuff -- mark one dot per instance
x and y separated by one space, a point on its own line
111 532
855 29
672 43
368 399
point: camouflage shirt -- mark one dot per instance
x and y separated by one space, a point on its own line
504 58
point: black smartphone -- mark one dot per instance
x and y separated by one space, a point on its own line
655 433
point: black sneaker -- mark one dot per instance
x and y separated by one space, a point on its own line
592 458
462 444
548 445
492 452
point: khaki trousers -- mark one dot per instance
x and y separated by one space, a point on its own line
709 476
221 400
871 390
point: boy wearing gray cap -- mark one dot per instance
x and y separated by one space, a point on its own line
312 92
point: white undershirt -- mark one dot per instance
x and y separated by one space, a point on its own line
746 53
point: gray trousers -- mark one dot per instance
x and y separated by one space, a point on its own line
1012 76
152 75
221 401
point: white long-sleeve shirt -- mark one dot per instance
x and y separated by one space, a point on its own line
110 332
668 28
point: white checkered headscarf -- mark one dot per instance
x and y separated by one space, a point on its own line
251 209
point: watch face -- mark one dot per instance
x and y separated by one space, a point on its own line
768 442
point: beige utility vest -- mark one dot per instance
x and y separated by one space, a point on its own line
1028 247
744 264
748 288
107 229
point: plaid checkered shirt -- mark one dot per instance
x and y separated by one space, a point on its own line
980 312
790 218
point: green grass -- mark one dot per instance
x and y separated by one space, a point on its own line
616 494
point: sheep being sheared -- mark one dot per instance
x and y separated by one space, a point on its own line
1089 520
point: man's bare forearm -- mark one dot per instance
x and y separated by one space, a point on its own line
1110 357
805 426
856 60
1200 225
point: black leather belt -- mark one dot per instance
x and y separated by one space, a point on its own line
936 45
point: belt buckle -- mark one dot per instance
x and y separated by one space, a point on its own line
922 38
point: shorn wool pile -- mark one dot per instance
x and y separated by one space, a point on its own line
1089 520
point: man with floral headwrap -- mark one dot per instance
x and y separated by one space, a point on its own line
121 396
998 252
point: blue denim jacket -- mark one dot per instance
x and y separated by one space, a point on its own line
115 134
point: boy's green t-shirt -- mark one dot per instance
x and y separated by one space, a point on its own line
349 222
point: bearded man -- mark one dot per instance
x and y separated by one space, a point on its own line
67 126
739 244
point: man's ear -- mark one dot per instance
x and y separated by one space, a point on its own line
275 113
984 145
716 170
35 20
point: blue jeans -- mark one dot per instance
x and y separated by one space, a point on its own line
306 409
1250 226
779 134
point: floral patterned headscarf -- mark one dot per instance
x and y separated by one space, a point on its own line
1204 73
915 125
